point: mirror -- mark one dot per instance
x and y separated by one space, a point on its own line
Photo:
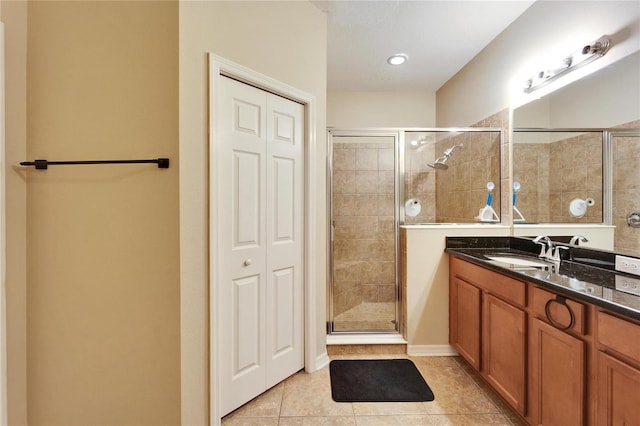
584 176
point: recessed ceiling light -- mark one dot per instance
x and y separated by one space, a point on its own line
397 59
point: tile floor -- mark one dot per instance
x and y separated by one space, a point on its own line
461 398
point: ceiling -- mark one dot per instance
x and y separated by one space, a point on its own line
439 37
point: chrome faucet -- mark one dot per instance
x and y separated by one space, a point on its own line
548 250
543 241
577 239
556 254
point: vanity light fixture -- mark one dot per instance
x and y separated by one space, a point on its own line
397 59
587 54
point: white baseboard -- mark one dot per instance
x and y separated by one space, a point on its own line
431 350
322 360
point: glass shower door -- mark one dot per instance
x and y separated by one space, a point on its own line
363 293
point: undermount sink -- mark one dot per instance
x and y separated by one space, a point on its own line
518 260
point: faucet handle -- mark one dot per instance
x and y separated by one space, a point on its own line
543 241
556 254
577 239
542 245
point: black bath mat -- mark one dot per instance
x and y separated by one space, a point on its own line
377 380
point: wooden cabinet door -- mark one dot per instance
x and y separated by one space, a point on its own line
618 392
503 350
466 302
558 376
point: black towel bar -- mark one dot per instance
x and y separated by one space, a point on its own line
163 163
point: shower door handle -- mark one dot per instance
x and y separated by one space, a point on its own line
333 227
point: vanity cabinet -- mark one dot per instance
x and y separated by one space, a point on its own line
618 393
488 327
464 331
504 349
558 359
555 360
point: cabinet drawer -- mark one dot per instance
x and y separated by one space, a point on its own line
620 335
559 315
507 288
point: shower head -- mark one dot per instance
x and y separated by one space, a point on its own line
440 163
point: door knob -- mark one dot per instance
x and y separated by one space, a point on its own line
247 262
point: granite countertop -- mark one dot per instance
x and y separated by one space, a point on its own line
584 274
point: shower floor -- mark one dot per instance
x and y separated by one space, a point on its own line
367 316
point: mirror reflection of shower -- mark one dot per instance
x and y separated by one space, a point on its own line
441 162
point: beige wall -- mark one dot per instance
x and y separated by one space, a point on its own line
352 110
103 332
14 18
285 41
493 80
427 275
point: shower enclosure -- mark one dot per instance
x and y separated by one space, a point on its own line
381 179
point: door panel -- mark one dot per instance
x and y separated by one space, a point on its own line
246 314
467 331
503 350
240 193
285 201
259 173
283 192
283 297
618 390
246 203
558 374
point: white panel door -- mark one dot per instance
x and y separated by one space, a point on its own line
241 195
259 194
285 201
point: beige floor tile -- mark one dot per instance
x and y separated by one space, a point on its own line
455 392
457 420
318 421
310 395
250 421
435 361
462 398
265 405
388 408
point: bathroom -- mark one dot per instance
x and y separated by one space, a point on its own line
426 283
150 299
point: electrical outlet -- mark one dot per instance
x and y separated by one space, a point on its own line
628 285
630 265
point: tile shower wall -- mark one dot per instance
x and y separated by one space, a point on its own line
553 174
461 191
532 172
626 189
363 206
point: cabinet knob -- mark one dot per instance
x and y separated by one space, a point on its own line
247 262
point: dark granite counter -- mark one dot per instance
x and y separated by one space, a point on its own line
584 274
